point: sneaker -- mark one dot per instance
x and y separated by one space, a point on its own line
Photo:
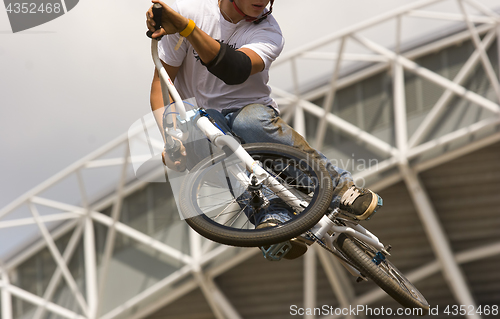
299 244
360 202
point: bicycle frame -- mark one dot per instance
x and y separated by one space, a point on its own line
352 251
218 138
326 224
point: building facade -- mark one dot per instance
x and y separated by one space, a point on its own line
415 119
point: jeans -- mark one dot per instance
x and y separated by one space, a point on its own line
257 123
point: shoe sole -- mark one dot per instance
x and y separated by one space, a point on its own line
373 207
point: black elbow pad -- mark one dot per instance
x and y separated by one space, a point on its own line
231 66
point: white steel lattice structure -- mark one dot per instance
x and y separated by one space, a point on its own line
66 211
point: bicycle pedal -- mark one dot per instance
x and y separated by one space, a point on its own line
277 251
378 258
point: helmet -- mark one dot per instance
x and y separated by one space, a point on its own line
253 19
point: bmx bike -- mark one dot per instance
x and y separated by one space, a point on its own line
222 195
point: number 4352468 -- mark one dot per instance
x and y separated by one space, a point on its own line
462 310
25 7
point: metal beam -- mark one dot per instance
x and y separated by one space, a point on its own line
109 243
451 155
209 297
6 296
302 106
142 238
33 249
122 228
485 60
91 268
449 16
350 79
329 98
400 120
431 76
453 136
478 253
309 279
431 268
59 260
498 45
361 136
377 144
345 57
438 239
484 9
56 277
423 166
224 304
299 120
23 199
414 276
90 262
166 299
175 277
437 110
44 219
38 301
342 289
355 28
298 115
140 297
220 306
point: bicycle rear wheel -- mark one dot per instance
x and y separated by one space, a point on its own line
226 211
385 274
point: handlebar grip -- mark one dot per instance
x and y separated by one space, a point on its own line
157 13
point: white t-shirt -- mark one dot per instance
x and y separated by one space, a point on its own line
194 80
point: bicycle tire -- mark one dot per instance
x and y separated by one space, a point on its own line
395 285
219 231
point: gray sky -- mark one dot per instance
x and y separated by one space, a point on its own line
73 84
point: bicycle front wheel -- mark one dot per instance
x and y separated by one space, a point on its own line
227 211
385 274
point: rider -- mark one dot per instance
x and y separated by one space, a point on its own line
220 51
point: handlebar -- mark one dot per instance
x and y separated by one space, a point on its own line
168 90
167 85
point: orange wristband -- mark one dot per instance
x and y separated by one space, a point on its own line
189 29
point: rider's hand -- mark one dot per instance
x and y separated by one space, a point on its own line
171 21
179 164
